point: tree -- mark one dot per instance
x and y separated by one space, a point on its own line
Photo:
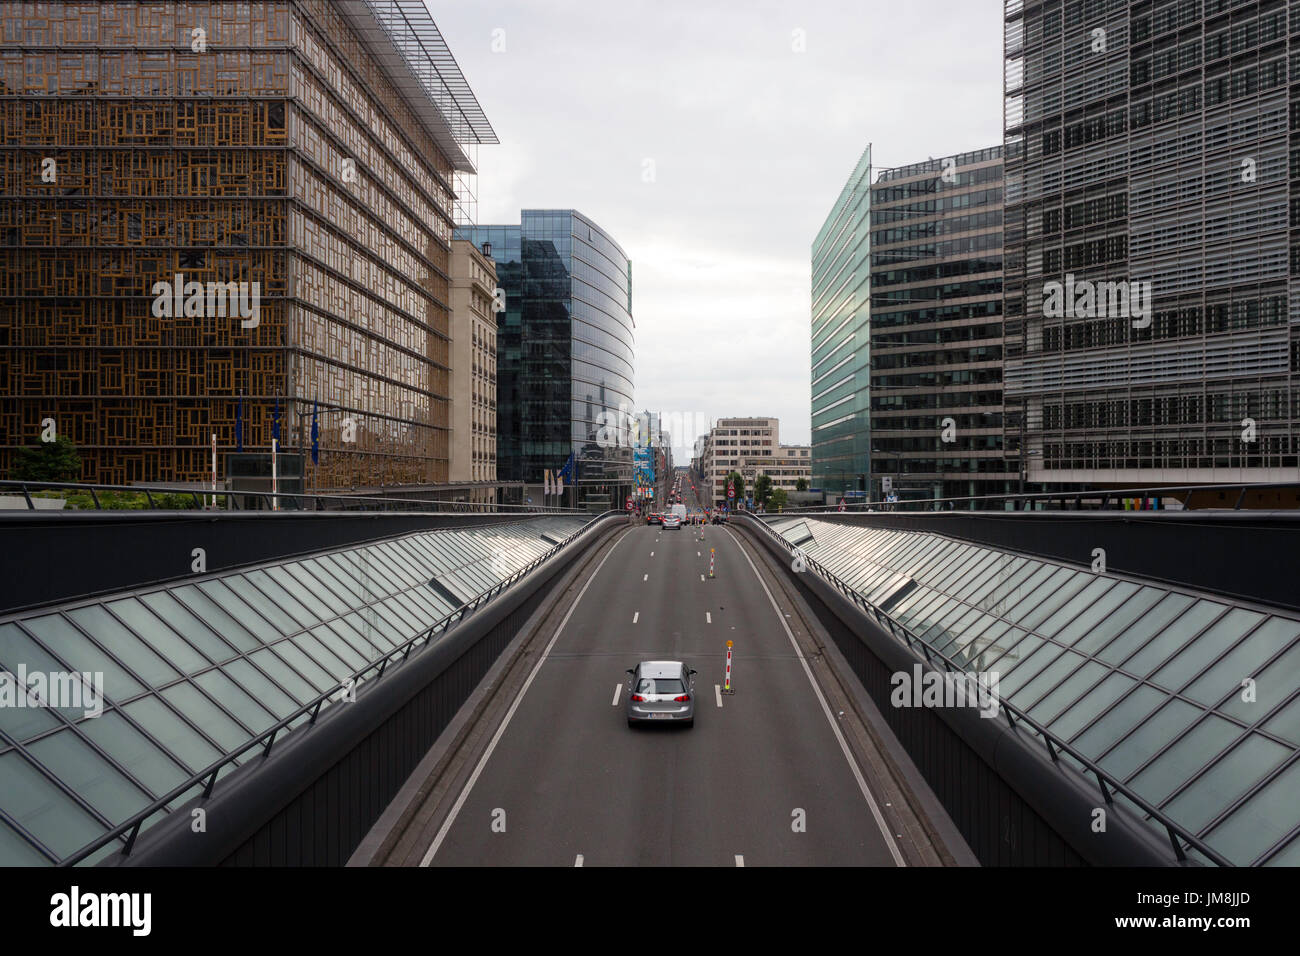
738 480
762 490
801 484
778 499
49 461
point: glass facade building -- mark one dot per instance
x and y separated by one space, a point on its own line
1151 147
565 352
936 328
303 151
841 331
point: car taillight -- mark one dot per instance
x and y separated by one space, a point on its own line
683 699
638 697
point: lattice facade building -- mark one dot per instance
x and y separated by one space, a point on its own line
1153 147
303 151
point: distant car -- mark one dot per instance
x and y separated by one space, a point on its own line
671 521
654 519
719 517
661 691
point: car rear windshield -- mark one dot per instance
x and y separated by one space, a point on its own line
660 685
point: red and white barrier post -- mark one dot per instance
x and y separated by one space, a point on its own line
710 562
726 687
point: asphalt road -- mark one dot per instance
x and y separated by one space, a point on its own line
761 777
691 499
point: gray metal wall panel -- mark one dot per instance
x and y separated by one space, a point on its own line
76 555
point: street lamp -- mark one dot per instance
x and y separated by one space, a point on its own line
1022 446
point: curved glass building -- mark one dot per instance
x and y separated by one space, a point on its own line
564 353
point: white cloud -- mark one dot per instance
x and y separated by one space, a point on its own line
751 142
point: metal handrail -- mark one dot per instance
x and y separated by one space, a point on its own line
300 502
1025 498
131 827
1174 830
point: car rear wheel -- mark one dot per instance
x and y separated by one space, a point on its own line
689 723
631 722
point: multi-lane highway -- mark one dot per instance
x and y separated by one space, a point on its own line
764 777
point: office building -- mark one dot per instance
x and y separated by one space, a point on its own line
473 370
728 444
213 208
785 467
841 330
936 329
652 457
1150 241
565 341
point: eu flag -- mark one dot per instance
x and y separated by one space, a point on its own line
239 423
315 437
275 421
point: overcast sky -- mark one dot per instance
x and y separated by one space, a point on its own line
748 142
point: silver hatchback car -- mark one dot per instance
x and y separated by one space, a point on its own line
661 691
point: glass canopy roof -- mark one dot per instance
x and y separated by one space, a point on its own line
1153 684
194 670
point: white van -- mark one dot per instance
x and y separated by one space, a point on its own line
680 511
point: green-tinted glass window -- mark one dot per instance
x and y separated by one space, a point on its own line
39 807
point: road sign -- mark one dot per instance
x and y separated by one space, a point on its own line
886 484
629 504
731 490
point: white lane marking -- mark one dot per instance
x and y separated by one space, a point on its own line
740 860
635 616
645 577
708 617
697 554
830 719
717 693
578 861
618 689
701 577
496 738
652 554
